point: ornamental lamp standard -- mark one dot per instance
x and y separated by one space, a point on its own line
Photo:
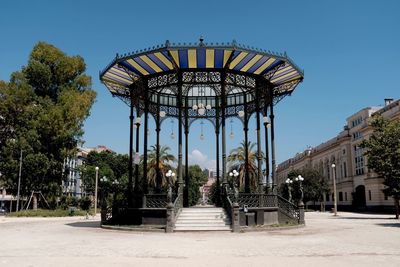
95 190
289 183
300 179
234 174
103 180
170 174
334 189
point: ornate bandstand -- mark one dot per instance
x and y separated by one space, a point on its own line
212 81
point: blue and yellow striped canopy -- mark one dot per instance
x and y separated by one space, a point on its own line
125 69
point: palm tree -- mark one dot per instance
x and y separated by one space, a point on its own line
165 159
237 160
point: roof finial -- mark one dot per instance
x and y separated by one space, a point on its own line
234 42
201 40
167 43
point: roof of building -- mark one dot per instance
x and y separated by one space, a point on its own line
125 69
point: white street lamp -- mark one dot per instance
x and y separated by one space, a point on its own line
234 173
170 174
289 182
95 190
300 179
19 180
334 189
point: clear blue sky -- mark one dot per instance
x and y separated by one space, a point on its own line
348 49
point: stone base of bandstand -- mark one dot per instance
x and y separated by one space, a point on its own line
259 216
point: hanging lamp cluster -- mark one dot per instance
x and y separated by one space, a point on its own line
201 108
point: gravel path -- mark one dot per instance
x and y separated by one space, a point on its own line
347 240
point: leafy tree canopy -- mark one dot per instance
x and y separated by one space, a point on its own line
42 110
383 151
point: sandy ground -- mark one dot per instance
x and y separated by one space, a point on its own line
347 240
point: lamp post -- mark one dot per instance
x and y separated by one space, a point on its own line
19 180
95 190
289 183
169 175
334 189
235 174
102 187
300 179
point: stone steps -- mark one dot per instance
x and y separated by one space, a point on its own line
202 219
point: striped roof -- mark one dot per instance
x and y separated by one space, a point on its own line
277 68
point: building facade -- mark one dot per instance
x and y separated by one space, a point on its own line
358 187
73 185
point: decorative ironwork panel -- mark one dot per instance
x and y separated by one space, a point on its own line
269 201
215 77
201 77
152 82
249 200
250 82
173 78
156 201
187 77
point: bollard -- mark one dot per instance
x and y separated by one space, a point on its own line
235 218
170 218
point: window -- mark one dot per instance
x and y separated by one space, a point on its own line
357 135
341 171
340 196
345 196
369 194
356 121
344 151
359 160
386 197
344 169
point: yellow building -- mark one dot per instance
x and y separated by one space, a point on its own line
357 186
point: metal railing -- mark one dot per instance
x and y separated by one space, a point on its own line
227 204
178 204
155 201
288 208
257 200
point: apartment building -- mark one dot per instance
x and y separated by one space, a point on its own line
358 187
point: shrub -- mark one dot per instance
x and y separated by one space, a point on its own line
85 203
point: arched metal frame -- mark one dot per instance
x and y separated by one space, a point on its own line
227 91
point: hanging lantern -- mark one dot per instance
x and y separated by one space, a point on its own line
241 113
201 135
201 111
162 114
172 135
231 135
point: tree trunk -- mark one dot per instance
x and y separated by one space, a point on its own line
34 201
396 204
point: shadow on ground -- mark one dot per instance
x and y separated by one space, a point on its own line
86 224
365 218
389 224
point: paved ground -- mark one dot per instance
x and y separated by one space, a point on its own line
347 240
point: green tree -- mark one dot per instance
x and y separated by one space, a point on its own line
237 159
164 164
111 165
383 152
196 179
42 110
314 185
